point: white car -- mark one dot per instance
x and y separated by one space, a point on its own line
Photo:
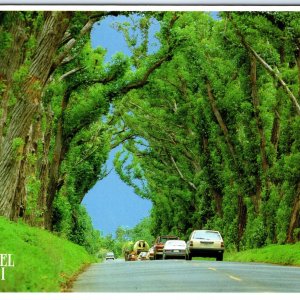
142 256
205 243
110 256
174 248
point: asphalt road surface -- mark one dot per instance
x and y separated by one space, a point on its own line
187 276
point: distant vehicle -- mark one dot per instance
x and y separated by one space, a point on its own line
140 246
132 251
110 256
205 243
150 253
159 244
143 256
132 256
174 249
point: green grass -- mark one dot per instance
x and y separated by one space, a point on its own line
43 262
276 254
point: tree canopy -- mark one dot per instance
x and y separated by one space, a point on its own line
217 128
209 123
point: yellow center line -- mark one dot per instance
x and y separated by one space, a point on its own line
235 278
230 276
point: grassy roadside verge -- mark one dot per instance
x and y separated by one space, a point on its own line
275 254
43 262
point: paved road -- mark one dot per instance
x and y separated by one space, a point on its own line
187 276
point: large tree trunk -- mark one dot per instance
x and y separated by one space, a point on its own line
43 168
19 201
27 104
60 149
27 171
10 159
242 220
255 101
260 129
9 63
53 183
216 195
295 217
276 125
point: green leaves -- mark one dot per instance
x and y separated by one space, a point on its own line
208 123
209 150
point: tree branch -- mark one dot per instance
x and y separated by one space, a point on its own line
181 175
71 43
274 73
64 76
221 123
157 64
125 138
144 80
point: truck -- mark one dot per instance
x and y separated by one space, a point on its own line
160 243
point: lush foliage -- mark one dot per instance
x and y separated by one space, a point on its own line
57 153
209 123
43 262
217 130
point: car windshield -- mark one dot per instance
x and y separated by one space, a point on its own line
175 243
109 254
207 235
164 239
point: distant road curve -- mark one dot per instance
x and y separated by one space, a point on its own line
187 276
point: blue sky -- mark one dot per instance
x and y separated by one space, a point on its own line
111 203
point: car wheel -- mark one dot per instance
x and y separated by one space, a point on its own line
219 257
189 256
